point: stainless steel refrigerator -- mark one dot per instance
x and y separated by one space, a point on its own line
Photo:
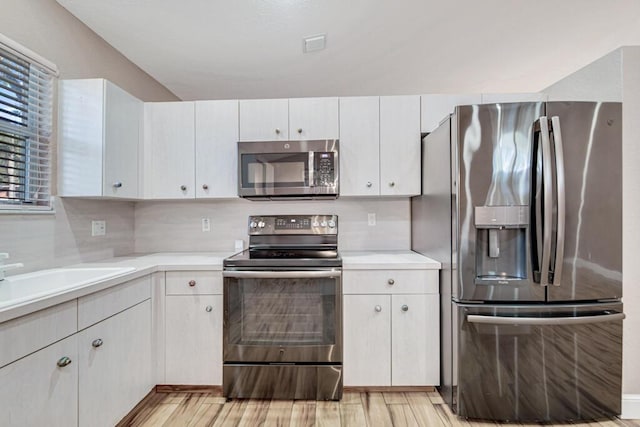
522 204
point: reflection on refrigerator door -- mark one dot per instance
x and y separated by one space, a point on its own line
540 364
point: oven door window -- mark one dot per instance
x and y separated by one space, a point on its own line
282 312
269 170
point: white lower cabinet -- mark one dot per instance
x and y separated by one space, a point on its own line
114 366
391 338
42 388
193 339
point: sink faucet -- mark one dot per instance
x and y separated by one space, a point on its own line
4 267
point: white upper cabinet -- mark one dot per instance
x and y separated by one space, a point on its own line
99 128
313 118
399 145
360 146
434 108
169 150
216 149
264 119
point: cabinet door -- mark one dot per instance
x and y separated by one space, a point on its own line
360 146
35 391
122 126
169 150
264 119
415 340
194 340
115 366
434 108
216 149
313 118
399 145
367 340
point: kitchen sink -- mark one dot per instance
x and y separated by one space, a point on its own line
46 282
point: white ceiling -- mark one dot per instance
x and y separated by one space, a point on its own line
217 49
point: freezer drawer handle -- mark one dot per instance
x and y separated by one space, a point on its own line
542 321
281 274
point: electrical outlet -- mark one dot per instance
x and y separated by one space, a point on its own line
206 224
371 219
98 228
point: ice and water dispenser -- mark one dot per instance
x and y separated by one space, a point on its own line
501 251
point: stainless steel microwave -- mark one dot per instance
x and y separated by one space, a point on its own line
286 170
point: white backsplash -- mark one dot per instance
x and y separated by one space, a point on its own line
177 226
63 238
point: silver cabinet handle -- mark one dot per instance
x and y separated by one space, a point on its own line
208 309
378 308
391 281
369 184
392 184
299 130
117 184
183 187
497 320
277 131
97 343
205 187
405 307
192 283
64 361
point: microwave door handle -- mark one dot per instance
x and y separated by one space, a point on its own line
547 182
312 174
561 196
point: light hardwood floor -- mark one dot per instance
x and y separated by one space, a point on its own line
355 409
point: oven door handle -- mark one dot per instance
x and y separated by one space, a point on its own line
304 274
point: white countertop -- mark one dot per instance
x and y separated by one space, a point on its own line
142 264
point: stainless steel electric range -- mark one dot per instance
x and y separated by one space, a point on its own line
283 311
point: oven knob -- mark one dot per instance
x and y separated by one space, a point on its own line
332 224
261 224
253 224
323 224
316 224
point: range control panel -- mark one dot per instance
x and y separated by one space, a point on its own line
293 224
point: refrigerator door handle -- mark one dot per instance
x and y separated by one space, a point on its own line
561 194
543 321
547 182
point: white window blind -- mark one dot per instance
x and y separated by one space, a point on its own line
26 102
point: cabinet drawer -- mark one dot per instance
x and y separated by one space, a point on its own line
96 307
390 282
26 334
194 282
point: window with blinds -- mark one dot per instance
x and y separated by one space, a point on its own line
26 92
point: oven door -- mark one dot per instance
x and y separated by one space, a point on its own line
283 316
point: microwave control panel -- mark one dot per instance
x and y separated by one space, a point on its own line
324 169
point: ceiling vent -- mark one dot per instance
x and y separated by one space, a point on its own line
314 43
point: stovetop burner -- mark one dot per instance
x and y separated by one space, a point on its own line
289 241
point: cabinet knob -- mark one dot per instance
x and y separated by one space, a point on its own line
64 361
205 187
405 307
391 281
208 309
378 308
277 131
97 343
192 283
369 184
299 130
392 184
183 187
117 184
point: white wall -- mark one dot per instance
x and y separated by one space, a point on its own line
176 226
43 241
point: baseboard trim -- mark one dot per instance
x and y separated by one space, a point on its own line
178 388
388 389
630 407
